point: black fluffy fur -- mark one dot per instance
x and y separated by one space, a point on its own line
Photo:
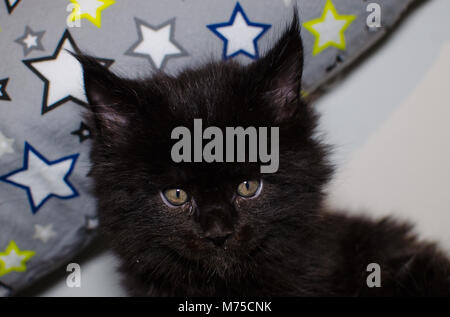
283 241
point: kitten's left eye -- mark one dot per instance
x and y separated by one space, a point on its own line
175 197
248 188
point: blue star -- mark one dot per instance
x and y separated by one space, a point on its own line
43 179
239 34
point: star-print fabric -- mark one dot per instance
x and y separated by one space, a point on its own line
47 212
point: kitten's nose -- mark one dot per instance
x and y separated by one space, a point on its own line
216 222
217 234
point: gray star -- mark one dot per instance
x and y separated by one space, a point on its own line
156 43
30 41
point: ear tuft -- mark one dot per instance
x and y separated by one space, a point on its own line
281 70
98 80
110 97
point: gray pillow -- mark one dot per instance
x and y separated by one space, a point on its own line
47 212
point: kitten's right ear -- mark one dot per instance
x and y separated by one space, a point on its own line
110 98
279 72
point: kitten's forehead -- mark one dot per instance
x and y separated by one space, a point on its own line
216 93
208 174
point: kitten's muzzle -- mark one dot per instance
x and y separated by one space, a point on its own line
218 237
217 225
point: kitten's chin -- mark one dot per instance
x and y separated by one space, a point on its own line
223 264
211 257
225 261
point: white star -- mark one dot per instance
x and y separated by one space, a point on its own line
330 30
42 179
30 41
156 43
5 145
287 3
44 233
239 34
12 259
64 74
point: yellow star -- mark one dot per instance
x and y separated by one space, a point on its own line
91 10
329 29
14 259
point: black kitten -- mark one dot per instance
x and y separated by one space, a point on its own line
213 229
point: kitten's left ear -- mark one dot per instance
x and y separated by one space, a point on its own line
280 72
110 97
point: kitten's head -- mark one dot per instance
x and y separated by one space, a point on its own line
217 215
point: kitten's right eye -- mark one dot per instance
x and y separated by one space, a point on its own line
175 197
